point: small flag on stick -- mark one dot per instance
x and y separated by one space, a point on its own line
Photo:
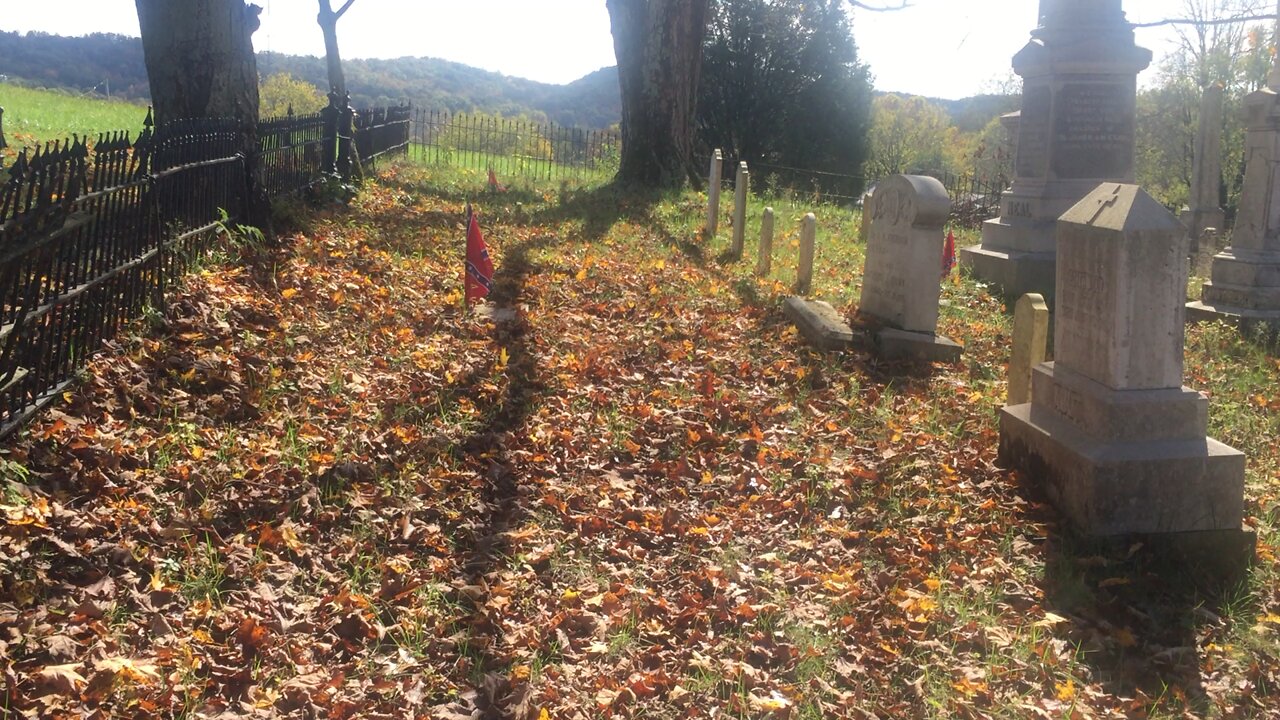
494 185
478 279
949 255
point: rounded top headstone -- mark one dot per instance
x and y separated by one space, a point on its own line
914 200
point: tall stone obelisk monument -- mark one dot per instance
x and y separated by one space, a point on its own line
1076 131
1245 281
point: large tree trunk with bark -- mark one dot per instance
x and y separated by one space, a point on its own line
659 49
200 60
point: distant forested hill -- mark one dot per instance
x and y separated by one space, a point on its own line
114 63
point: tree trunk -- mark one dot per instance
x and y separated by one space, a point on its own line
328 20
659 50
200 60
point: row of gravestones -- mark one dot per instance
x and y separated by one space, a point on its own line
1107 428
1109 431
764 255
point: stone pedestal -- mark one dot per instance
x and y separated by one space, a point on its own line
1075 130
1115 440
902 281
1244 280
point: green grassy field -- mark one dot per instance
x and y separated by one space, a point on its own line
33 117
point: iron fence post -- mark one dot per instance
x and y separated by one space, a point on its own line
346 136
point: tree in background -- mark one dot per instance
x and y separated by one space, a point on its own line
658 44
281 92
911 134
1236 54
328 20
782 85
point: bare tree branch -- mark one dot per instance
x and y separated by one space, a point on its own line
342 11
1205 23
881 8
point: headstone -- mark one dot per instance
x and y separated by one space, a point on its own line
808 246
764 256
1030 345
1076 129
713 194
901 283
1205 210
1116 441
740 190
1244 284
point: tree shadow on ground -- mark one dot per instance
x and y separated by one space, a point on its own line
484 550
601 208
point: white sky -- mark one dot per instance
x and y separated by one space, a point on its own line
939 48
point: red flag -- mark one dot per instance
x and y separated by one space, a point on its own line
494 185
949 255
478 279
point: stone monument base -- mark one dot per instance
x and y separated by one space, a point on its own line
1142 467
1201 311
1016 272
894 344
819 323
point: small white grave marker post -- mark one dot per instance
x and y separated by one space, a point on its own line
808 239
740 209
713 194
764 258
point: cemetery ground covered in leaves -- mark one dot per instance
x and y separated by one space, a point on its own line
313 487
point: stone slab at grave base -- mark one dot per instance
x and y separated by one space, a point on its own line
1200 311
894 344
1016 273
1155 487
1144 466
819 323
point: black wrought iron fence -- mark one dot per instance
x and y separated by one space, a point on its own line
90 233
291 152
382 131
513 147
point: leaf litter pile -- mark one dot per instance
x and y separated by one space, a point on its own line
315 488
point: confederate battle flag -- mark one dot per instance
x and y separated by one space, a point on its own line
479 272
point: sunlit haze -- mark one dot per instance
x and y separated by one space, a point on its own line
938 48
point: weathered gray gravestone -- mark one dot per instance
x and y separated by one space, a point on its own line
901 282
1110 433
1030 345
1076 129
808 247
1245 279
713 194
740 191
1204 210
764 255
